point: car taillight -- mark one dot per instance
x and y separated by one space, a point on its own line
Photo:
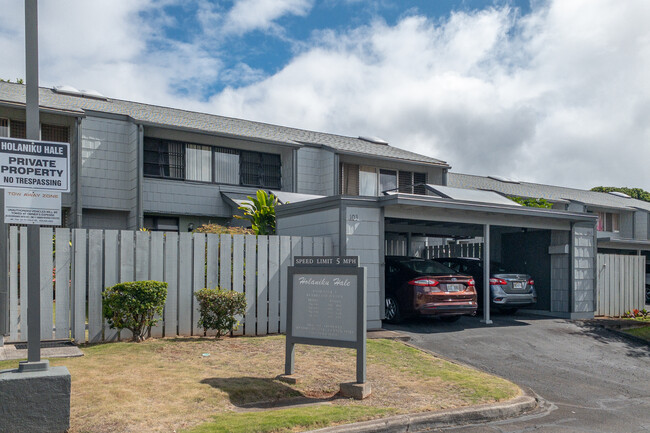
531 282
425 284
471 283
498 282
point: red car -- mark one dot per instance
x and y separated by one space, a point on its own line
416 286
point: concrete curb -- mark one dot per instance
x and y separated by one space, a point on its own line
429 420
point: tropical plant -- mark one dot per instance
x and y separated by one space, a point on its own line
133 305
260 211
532 202
218 308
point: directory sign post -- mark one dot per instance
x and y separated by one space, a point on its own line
326 306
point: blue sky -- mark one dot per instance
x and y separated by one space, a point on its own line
549 91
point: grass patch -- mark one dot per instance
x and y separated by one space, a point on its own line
642 332
168 385
288 420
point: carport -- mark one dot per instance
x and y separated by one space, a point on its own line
360 226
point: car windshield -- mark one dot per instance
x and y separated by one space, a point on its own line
427 267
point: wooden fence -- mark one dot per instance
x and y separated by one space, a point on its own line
621 284
454 250
76 265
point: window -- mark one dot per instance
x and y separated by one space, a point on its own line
359 180
367 181
177 160
4 127
387 181
17 129
54 133
226 166
163 158
260 169
608 222
349 179
198 163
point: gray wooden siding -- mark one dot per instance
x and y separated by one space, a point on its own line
583 269
109 164
316 171
560 274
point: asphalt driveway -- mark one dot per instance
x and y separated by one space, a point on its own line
591 380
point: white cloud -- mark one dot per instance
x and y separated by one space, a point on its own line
558 96
247 15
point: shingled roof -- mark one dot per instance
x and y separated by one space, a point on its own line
12 94
548 192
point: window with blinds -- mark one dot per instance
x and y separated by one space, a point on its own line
198 163
359 180
178 160
226 166
4 127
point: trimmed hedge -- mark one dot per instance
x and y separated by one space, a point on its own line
133 306
218 309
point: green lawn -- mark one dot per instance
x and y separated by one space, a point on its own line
642 332
229 385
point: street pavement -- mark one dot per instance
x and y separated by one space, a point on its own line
589 379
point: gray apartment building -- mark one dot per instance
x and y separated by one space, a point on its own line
137 165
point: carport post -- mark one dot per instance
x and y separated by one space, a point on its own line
486 275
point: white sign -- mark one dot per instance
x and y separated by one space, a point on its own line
34 165
32 207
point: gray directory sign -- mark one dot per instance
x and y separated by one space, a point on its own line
326 300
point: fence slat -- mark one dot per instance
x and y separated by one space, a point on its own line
307 246
329 247
111 272
262 284
95 278
156 274
212 276
47 293
14 313
24 270
198 280
238 274
127 268
285 262
274 284
171 277
185 285
250 284
319 247
142 243
224 262
79 286
62 283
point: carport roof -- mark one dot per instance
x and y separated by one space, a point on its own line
548 192
424 201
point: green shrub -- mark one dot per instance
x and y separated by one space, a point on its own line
260 211
133 305
219 229
218 309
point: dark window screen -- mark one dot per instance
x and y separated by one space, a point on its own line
54 133
18 129
260 169
164 158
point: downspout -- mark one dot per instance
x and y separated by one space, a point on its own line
444 176
294 171
337 175
572 277
139 222
78 219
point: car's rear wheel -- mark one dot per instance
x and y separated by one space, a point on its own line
392 310
450 319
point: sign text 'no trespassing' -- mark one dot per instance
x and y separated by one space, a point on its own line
36 165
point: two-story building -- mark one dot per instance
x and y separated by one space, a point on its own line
137 165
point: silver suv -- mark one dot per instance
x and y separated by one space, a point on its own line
508 290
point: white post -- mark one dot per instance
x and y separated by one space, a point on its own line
486 275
